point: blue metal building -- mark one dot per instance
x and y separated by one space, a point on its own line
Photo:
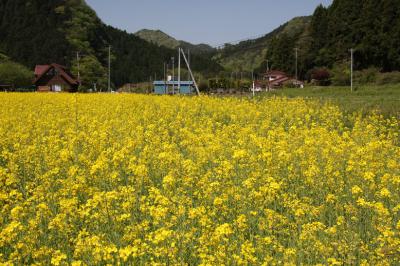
166 87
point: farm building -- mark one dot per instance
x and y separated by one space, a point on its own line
172 87
276 79
54 78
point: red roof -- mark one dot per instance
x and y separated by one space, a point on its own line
280 80
40 70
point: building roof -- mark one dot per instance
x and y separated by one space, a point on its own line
279 80
161 82
40 70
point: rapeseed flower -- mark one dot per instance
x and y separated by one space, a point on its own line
195 181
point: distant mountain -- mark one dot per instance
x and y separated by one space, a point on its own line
162 39
250 54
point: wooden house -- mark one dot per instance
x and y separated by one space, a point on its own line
276 79
54 78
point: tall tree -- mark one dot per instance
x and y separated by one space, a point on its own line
281 54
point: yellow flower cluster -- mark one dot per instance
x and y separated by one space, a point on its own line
146 180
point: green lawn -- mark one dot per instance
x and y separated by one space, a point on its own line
367 99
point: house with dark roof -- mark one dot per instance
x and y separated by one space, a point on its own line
54 78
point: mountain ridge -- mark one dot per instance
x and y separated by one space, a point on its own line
248 55
163 39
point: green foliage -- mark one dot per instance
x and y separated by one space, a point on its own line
340 74
388 78
203 86
3 58
372 28
14 74
158 37
251 54
366 76
31 31
220 83
373 76
281 53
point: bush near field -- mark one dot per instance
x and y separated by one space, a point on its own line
366 76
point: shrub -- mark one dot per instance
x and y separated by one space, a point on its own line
388 78
320 76
290 84
12 73
203 86
366 76
341 74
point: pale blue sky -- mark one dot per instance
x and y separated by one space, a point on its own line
210 21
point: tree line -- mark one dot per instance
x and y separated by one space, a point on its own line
54 31
370 27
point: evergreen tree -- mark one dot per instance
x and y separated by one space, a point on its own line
282 54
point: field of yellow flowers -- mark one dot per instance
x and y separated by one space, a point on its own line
139 180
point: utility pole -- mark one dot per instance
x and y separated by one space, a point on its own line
165 77
150 85
351 68
189 59
79 74
173 75
109 68
167 85
190 72
297 54
179 70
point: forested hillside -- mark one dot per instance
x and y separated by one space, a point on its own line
249 55
370 27
45 31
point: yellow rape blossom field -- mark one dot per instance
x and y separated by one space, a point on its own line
146 180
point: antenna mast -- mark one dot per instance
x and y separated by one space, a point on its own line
190 71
